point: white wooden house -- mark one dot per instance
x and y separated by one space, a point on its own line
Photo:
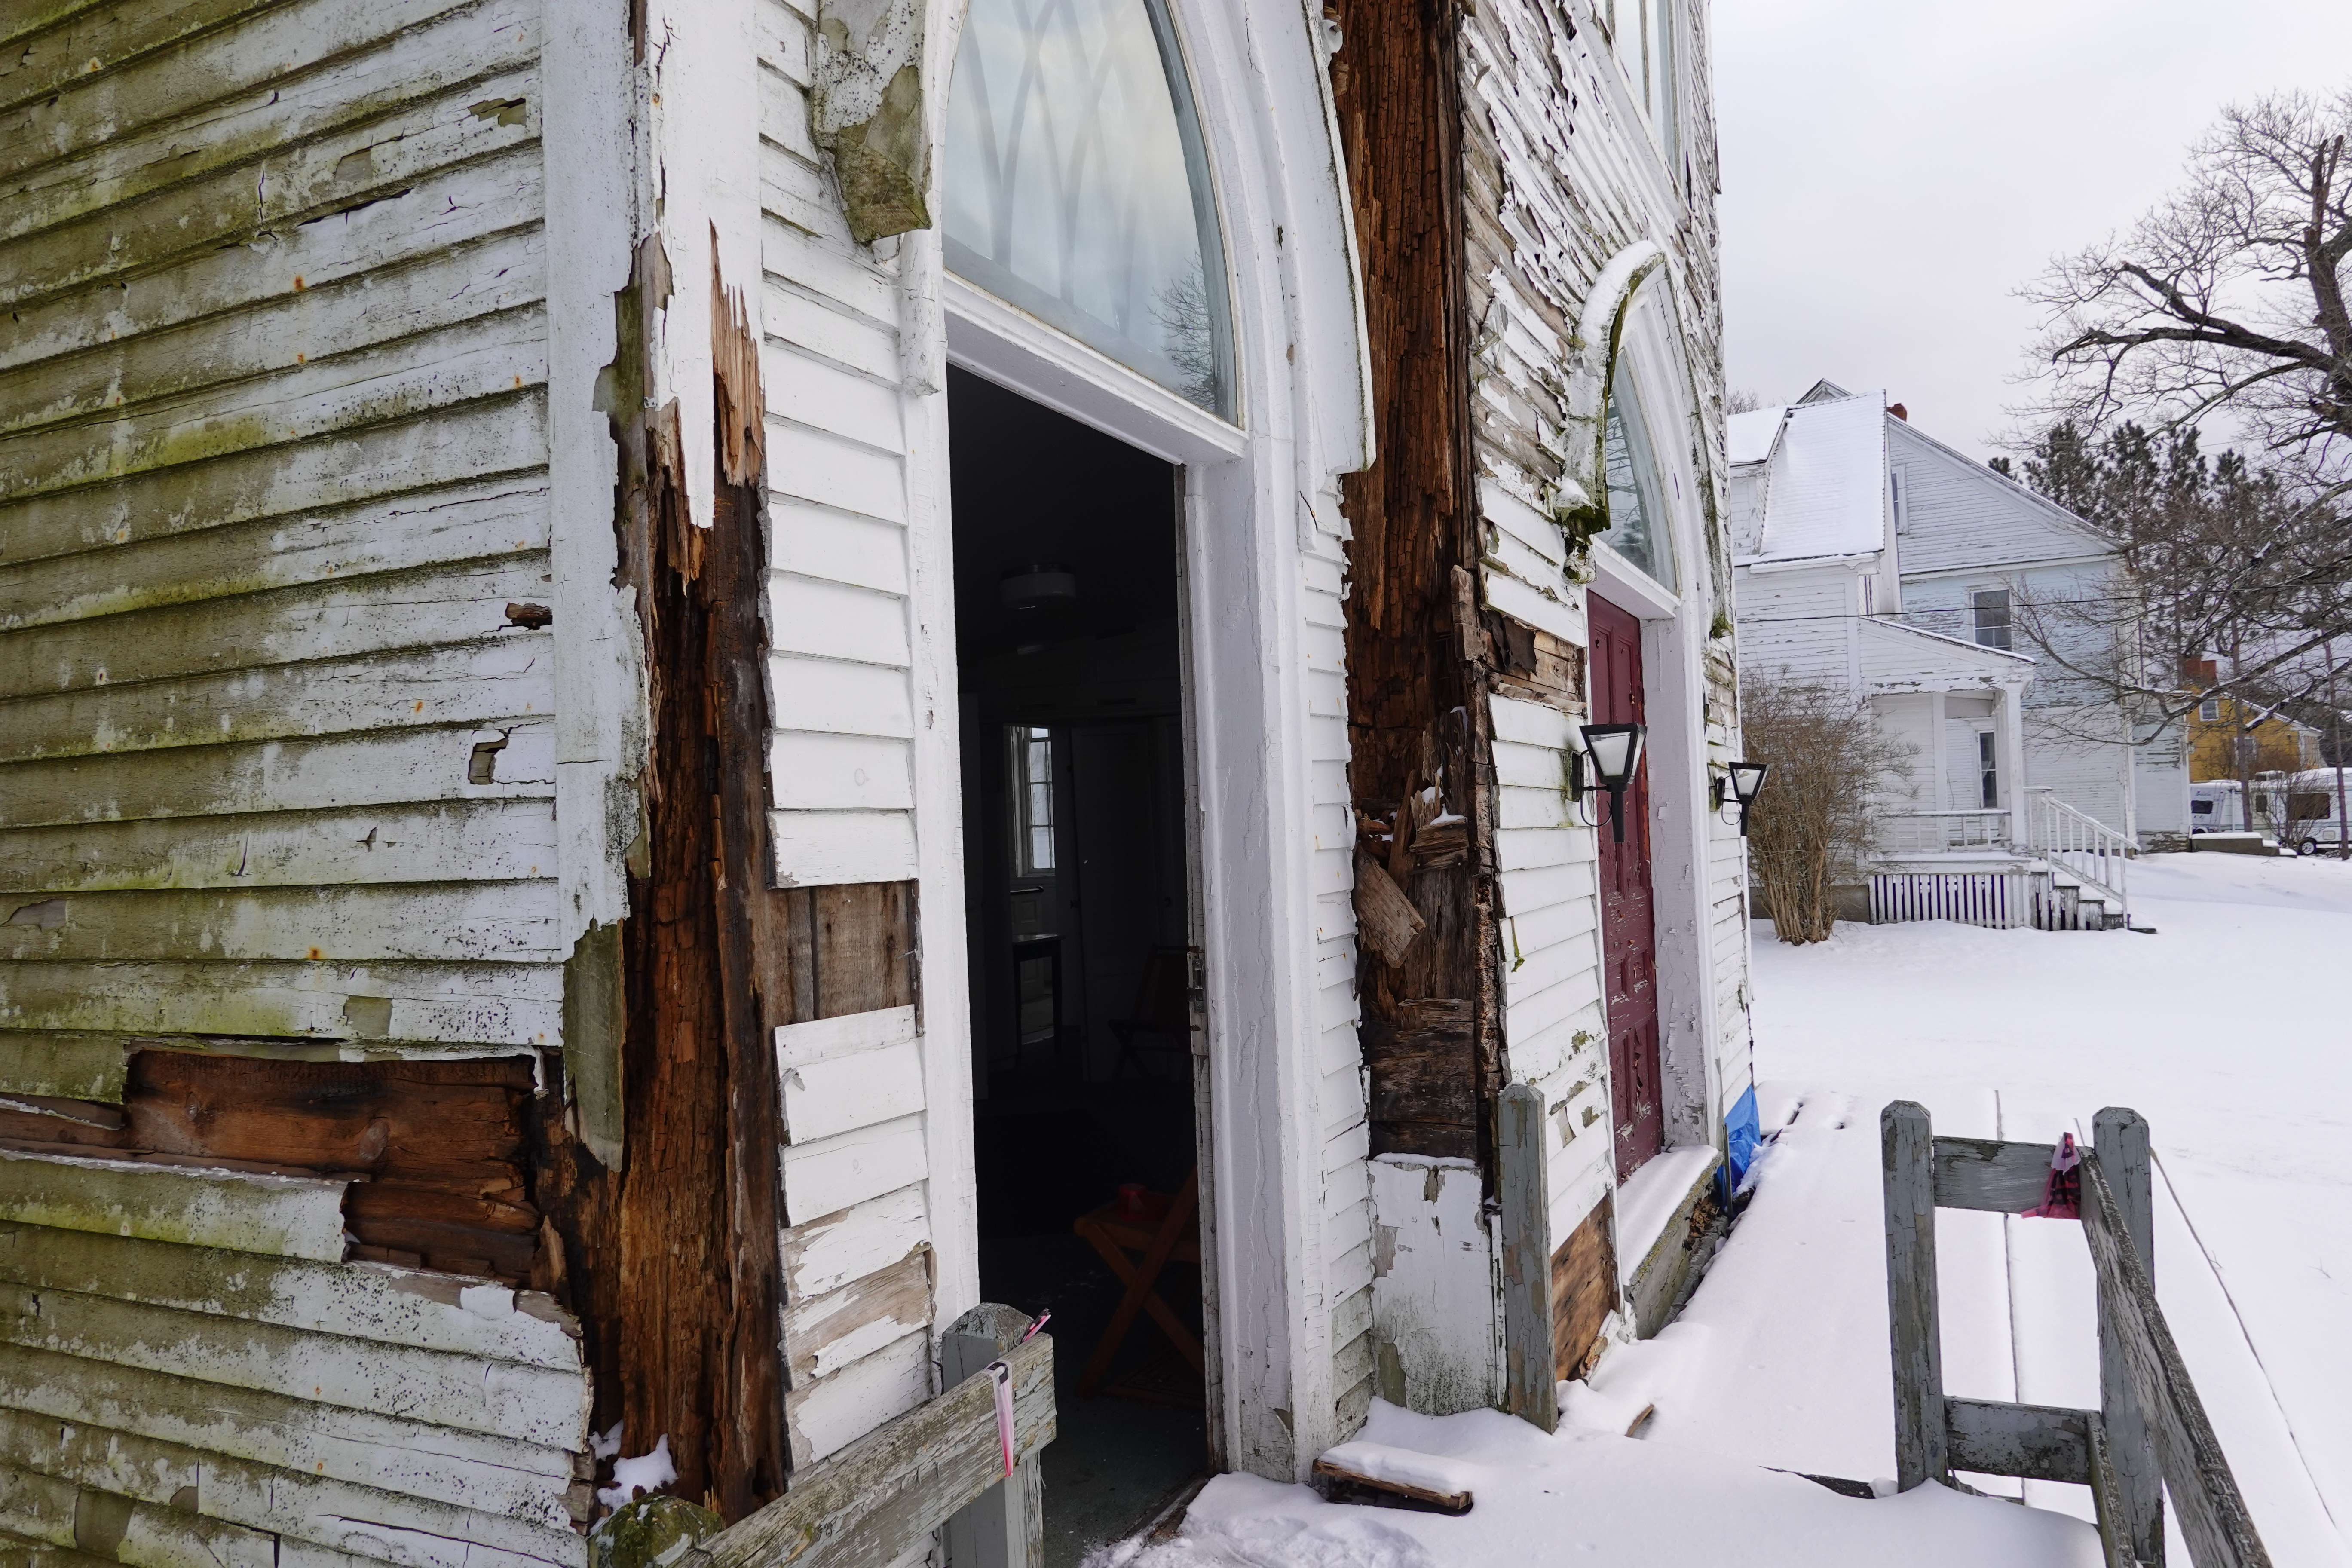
1874 557
635 636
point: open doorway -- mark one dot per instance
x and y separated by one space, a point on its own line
1079 912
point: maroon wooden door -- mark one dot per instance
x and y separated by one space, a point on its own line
1629 940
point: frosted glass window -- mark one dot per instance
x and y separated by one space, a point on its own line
1077 188
1637 503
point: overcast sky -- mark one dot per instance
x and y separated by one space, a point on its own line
1894 169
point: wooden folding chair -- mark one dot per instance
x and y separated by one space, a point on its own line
1171 1234
1162 1014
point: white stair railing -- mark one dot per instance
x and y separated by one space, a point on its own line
2079 842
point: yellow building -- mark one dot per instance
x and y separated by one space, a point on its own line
2218 727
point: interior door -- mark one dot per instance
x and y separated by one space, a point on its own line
1628 931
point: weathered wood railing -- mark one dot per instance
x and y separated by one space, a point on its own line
2150 1434
939 1463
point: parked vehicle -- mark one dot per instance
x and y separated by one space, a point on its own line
2303 811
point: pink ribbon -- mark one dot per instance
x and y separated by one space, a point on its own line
2061 1194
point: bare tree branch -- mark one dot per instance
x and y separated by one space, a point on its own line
2229 296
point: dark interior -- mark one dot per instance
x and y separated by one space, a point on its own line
1070 676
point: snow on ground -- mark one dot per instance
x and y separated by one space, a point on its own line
2224 1030
2227 1030
1601 1499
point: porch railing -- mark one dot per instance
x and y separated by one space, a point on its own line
1942 832
2078 842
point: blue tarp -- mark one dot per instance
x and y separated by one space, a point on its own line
1742 1130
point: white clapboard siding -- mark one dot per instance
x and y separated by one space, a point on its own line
848 1168
829 1252
827 1414
814 848
843 1074
535 1405
375 1303
285 1217
817 772
1346 1209
410 1532
275 761
824 1334
836 547
367 1448
1575 180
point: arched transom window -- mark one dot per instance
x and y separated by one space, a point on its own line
1077 188
1638 529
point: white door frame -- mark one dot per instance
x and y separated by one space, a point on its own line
1674 681
1254 495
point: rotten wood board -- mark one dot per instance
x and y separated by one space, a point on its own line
1386 921
1425 1086
1583 1289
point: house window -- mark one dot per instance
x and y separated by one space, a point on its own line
1030 750
1992 607
1637 507
1896 501
1641 36
1870 595
1077 186
2209 710
1988 770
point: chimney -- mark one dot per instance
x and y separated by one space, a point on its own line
1899 412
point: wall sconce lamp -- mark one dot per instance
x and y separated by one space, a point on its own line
1741 781
1614 751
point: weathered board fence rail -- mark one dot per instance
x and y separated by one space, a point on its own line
2150 1434
939 1464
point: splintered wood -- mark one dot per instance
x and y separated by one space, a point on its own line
1386 920
1418 656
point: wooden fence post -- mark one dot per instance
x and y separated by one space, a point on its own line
1530 1373
2120 1143
1005 1527
1906 1146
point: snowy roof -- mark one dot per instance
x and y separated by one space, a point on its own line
1750 435
1825 489
1897 657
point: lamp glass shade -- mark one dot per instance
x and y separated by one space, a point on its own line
1615 751
1747 779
